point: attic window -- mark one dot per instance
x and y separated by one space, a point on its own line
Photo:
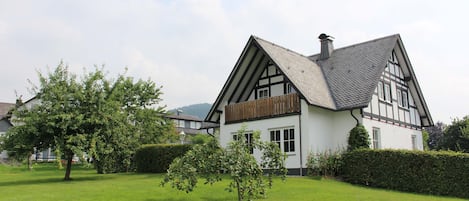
384 91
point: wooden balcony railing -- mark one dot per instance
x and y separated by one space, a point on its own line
262 108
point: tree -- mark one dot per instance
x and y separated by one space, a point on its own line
358 138
435 134
210 161
93 115
456 136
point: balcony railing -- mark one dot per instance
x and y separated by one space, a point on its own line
262 108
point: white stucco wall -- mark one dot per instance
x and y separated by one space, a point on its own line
293 158
394 137
325 130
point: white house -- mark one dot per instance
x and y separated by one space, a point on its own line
310 103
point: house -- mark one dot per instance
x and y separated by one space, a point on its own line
189 125
309 104
5 123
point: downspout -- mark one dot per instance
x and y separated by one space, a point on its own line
356 119
301 146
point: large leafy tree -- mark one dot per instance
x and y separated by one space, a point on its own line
210 161
456 136
435 134
108 119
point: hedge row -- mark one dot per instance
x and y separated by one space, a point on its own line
437 173
156 158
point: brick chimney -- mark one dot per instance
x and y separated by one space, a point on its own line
326 46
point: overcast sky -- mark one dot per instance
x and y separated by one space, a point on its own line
190 47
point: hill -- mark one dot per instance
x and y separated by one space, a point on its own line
199 110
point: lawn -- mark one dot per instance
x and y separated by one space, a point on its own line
45 183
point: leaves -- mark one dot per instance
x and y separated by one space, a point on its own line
108 119
210 161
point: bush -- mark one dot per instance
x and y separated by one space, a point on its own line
358 138
324 163
155 158
437 173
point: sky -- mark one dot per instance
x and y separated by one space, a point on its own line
190 47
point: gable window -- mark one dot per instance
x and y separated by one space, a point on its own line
248 140
289 88
380 90
414 142
376 138
405 99
402 98
263 93
285 138
387 92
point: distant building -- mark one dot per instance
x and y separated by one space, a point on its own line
5 123
191 125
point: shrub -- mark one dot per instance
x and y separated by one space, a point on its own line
200 139
155 158
358 138
326 163
438 173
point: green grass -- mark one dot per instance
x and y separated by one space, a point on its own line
45 183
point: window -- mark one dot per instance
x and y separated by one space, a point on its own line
248 138
286 142
399 97
275 137
380 90
402 98
263 93
289 88
376 138
193 125
387 93
414 142
198 125
181 123
405 100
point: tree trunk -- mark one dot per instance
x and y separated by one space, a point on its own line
30 163
240 197
69 167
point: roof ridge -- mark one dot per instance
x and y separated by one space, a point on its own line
361 43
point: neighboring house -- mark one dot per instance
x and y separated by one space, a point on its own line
310 103
5 123
190 125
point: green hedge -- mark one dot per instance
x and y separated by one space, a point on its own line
437 173
155 158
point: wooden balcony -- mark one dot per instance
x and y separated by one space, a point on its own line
262 108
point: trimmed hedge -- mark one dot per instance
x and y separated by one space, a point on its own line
156 158
437 173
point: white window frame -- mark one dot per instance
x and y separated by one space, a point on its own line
263 93
405 99
192 125
380 90
286 142
249 138
376 138
387 92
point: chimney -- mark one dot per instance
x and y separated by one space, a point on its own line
326 46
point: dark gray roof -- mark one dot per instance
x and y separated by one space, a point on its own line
305 75
346 80
184 117
352 73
